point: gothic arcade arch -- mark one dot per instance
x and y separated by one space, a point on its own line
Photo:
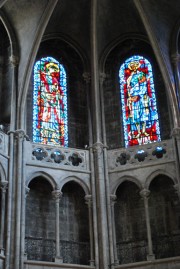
77 180
125 178
44 175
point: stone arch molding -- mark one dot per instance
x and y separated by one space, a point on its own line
76 179
154 174
112 45
12 38
44 175
39 39
174 39
120 180
76 47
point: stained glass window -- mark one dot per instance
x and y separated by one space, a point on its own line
50 103
138 98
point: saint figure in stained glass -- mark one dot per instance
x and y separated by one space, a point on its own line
140 116
50 103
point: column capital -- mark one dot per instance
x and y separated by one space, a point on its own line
20 134
177 189
14 60
113 199
3 186
175 58
98 146
88 200
145 193
57 194
102 77
86 77
26 191
176 132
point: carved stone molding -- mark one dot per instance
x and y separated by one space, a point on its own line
88 200
102 77
26 191
113 199
20 134
175 58
3 186
176 132
177 189
14 60
145 193
57 194
87 77
98 147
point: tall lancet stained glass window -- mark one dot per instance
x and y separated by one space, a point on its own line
139 107
50 120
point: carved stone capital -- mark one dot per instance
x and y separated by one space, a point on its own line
175 58
57 194
98 147
14 60
87 77
102 77
145 193
26 191
177 189
3 186
88 200
176 132
21 135
113 199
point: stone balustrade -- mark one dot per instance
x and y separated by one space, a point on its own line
58 156
148 154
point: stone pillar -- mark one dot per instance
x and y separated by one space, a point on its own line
113 201
101 206
88 199
3 187
19 183
97 147
23 225
57 194
175 58
145 195
112 262
14 60
176 143
10 199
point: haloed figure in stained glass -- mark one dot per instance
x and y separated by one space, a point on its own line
49 103
140 117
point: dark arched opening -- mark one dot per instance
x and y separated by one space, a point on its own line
74 225
130 225
164 210
40 221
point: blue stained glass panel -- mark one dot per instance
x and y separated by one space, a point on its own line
50 118
138 99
